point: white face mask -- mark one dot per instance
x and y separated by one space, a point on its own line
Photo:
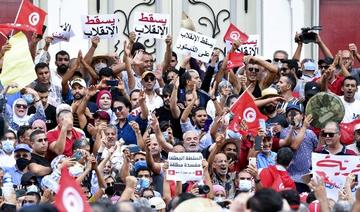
8 146
218 199
99 66
245 185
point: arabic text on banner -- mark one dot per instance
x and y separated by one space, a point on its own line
18 66
200 46
185 166
151 25
249 47
104 26
63 33
333 169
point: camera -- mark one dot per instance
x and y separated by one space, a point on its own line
203 189
307 34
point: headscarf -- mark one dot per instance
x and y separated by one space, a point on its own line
41 122
20 121
99 95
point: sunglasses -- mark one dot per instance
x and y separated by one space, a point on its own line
110 184
256 70
324 67
277 60
151 78
328 134
21 106
21 156
118 109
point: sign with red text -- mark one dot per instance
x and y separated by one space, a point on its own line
333 169
249 47
199 46
64 33
104 26
185 166
151 25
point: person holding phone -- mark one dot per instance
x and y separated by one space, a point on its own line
266 157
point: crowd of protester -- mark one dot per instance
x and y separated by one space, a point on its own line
113 121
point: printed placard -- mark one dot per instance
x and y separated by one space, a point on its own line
185 166
64 33
151 25
105 26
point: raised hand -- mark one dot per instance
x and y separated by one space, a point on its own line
95 41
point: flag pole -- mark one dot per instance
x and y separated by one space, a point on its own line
17 16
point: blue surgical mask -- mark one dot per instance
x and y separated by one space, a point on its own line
28 98
8 146
142 184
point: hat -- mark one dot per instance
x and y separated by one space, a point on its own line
195 204
327 60
106 72
63 107
97 56
25 178
311 88
157 203
103 115
140 165
78 81
22 147
217 188
356 127
146 73
269 92
309 66
295 105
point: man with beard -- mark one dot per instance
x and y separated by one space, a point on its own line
78 91
352 106
39 165
62 60
220 175
22 154
43 77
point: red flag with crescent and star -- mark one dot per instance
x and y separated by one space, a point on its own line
233 33
31 15
70 196
245 112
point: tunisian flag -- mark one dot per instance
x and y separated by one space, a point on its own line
236 59
245 111
233 33
347 131
31 15
70 196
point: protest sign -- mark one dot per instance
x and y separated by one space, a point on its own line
185 166
333 170
249 47
151 25
64 33
200 46
18 66
104 26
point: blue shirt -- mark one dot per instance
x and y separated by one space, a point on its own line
263 161
127 133
15 173
301 162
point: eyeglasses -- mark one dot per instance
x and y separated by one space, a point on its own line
118 109
110 184
21 156
151 78
277 60
20 106
253 70
328 134
324 67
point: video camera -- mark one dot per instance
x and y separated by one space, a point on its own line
307 34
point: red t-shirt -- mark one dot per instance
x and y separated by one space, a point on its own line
53 135
335 86
276 179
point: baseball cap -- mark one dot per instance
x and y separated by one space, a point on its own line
78 81
22 147
147 73
311 88
140 165
63 107
157 203
309 66
295 105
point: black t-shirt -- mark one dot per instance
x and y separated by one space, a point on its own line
50 113
40 160
164 114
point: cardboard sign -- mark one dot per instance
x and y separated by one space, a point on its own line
333 170
64 33
104 26
185 166
152 25
249 47
200 46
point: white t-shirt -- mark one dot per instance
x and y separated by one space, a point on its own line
352 110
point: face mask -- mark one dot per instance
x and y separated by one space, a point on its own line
27 204
218 199
21 163
109 191
62 69
99 66
166 135
245 185
28 98
32 188
266 150
142 184
8 146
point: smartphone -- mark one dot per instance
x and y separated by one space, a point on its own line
262 124
257 144
112 82
356 178
43 30
119 187
252 161
77 155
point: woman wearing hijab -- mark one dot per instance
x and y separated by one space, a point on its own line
103 101
39 124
